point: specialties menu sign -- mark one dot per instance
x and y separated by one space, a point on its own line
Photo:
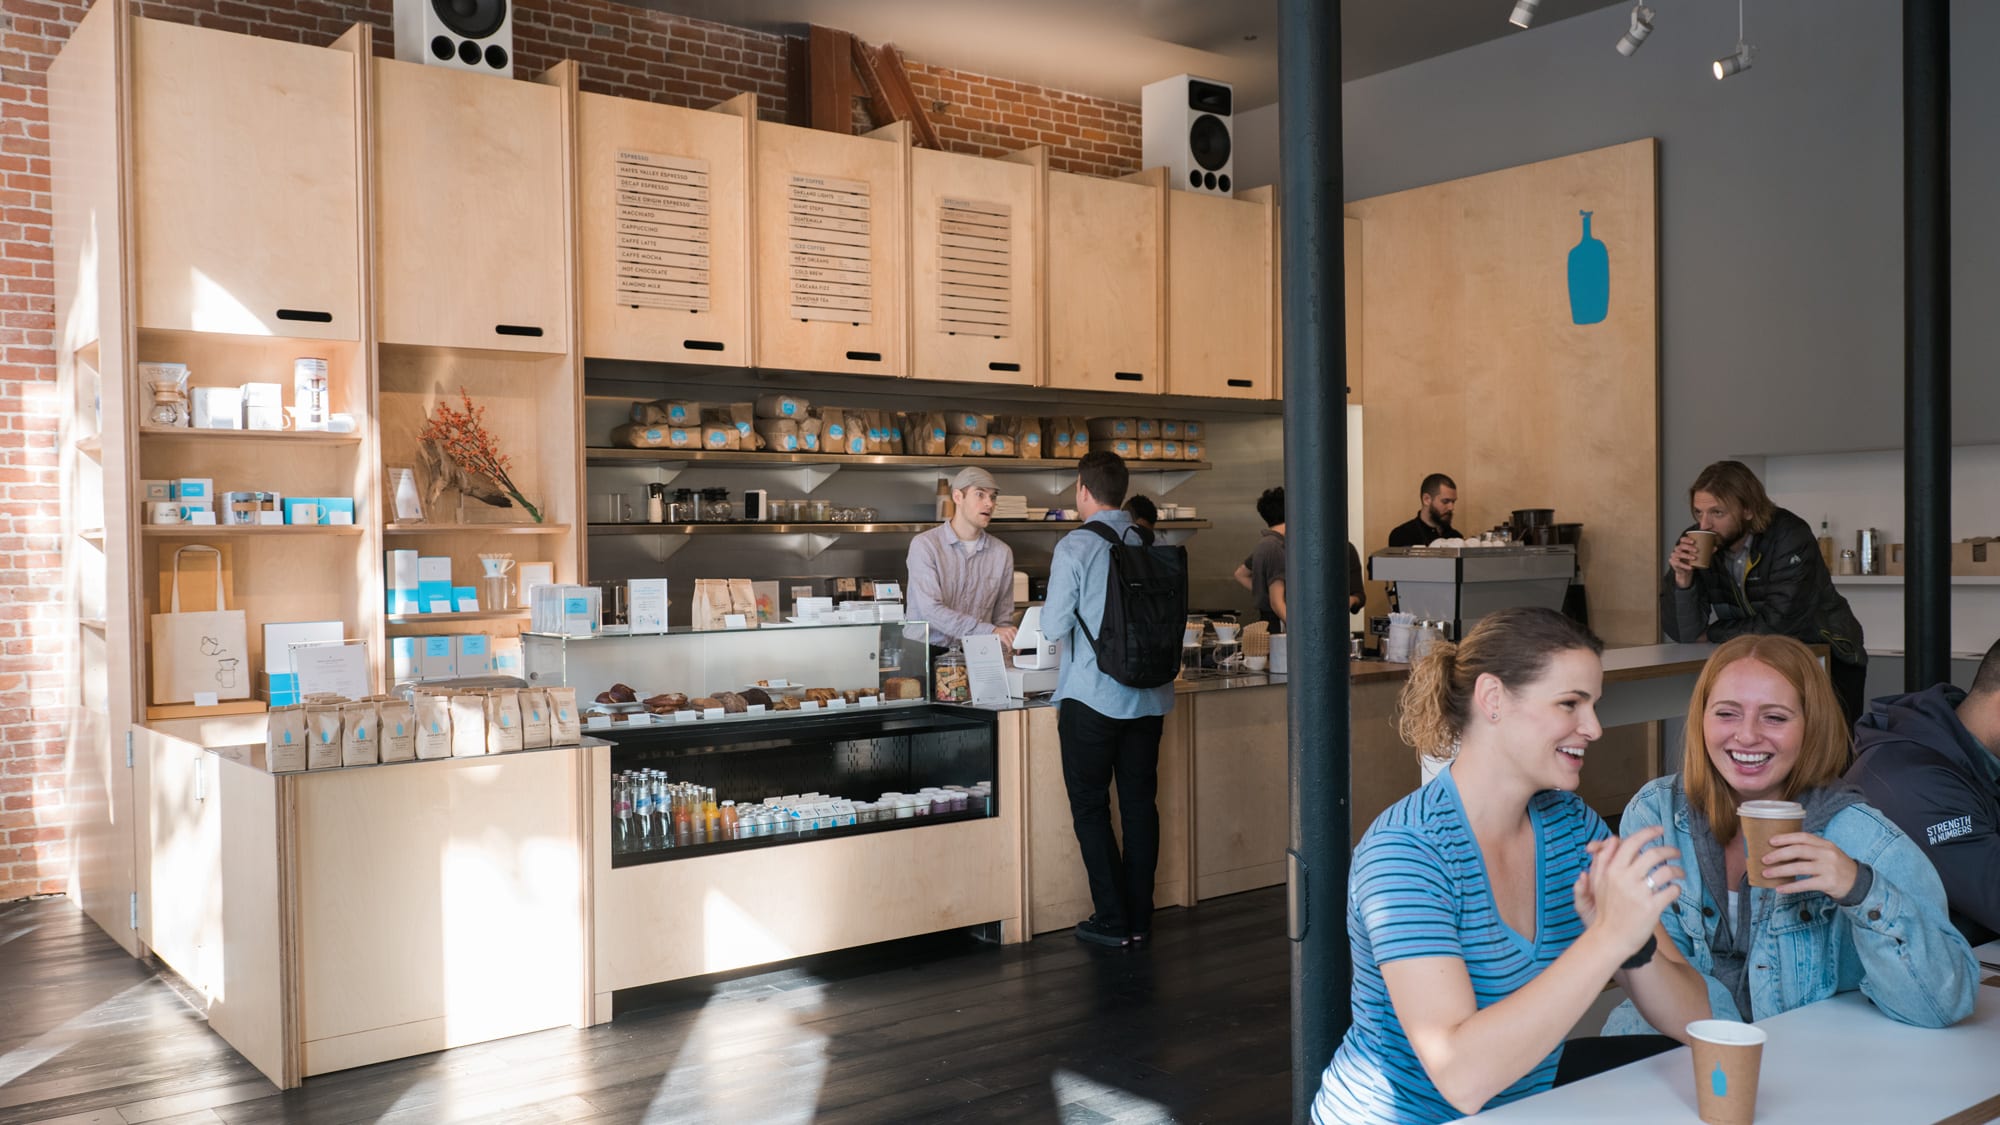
830 232
975 267
661 214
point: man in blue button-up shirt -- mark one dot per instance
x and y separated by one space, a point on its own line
1109 731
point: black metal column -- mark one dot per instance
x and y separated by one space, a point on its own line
1927 341
1314 284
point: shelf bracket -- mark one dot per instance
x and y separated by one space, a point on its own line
806 478
1169 479
664 547
816 544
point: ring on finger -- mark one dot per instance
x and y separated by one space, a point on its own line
1649 882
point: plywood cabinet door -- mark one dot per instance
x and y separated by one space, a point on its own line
831 263
975 254
471 219
247 201
1219 291
1104 279
663 232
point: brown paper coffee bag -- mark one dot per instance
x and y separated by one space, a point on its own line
564 728
360 740
503 722
468 725
396 727
285 740
433 725
534 719
323 729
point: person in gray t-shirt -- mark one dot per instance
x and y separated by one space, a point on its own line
1263 573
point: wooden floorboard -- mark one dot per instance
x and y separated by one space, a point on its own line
943 1028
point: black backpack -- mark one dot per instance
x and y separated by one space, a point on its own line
1145 611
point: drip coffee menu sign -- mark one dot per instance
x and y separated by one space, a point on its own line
661 217
830 226
975 267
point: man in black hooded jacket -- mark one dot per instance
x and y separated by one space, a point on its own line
1928 761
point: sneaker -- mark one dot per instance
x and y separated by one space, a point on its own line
1140 941
1097 933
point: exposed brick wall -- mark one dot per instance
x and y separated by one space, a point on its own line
625 51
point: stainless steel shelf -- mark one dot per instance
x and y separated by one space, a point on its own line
476 529
998 527
606 455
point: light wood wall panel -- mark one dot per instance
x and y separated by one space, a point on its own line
1476 367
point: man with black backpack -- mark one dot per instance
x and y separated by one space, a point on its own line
1118 604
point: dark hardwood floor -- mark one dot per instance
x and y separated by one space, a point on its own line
941 1028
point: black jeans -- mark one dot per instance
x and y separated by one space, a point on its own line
1097 750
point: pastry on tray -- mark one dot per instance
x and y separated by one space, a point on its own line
756 697
667 702
902 687
820 694
706 703
732 702
785 703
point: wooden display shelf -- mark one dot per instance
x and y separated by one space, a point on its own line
448 618
93 623
238 531
745 527
476 529
92 446
305 437
608 455
192 711
92 535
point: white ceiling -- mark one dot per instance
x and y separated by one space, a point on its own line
1111 48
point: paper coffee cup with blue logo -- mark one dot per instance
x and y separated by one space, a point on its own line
1728 1057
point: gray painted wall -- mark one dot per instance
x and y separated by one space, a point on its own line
1780 202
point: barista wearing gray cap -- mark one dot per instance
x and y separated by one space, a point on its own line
961 578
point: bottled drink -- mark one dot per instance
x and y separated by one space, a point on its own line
642 808
621 803
729 821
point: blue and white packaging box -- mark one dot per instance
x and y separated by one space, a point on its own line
507 657
434 583
399 568
475 654
437 658
191 488
404 662
336 510
302 510
280 689
465 599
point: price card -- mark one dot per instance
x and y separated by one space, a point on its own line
809 705
986 669
871 701
599 722
735 621
685 716
438 605
757 708
836 704
206 699
711 712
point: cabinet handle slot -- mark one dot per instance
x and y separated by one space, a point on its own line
1239 382
517 330
1128 376
865 357
1003 367
702 345
311 316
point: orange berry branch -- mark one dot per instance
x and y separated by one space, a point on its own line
463 437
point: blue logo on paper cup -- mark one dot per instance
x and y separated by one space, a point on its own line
677 413
1718 1082
789 408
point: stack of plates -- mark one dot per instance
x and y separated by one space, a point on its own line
1010 507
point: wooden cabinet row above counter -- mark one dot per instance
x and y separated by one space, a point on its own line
698 236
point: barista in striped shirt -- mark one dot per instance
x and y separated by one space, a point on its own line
961 578
1487 910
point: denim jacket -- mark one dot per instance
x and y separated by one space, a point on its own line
1897 945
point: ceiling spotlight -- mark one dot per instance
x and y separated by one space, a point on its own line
1642 26
1736 62
1524 12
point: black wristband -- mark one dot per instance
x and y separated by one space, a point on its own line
1645 954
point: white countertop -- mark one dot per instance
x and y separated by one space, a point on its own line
1832 1062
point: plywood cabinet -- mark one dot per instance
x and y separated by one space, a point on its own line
663 230
831 263
1219 339
246 165
975 258
1105 273
471 216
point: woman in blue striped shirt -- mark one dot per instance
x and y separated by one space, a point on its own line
1488 909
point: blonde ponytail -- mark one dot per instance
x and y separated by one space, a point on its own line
1433 711
1513 645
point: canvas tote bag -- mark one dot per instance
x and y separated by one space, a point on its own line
197 652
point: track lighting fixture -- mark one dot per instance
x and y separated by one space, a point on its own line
1642 26
1524 12
1739 60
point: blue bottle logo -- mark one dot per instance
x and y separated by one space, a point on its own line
1718 1082
1589 278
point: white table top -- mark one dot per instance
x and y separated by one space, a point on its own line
1839 1060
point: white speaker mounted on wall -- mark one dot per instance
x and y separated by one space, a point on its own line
1186 127
466 34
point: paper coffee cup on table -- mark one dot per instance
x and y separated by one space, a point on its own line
1762 820
1728 1057
1704 547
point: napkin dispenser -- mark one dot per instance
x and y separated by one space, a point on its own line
1031 648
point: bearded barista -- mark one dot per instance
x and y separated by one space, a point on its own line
961 578
1436 498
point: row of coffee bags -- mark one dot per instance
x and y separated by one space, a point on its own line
330 732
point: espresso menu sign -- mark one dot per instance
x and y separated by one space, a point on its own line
830 233
975 267
661 214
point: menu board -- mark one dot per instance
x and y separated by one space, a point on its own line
661 212
830 244
975 267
